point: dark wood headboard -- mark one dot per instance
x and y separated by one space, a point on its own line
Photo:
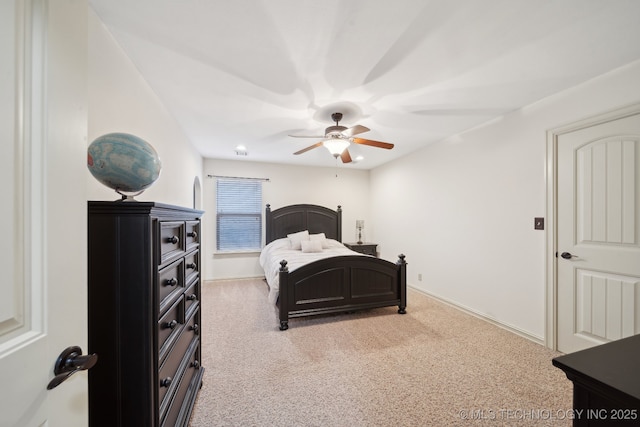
294 218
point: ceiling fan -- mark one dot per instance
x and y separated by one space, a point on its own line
338 138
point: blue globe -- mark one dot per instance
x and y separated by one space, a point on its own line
123 162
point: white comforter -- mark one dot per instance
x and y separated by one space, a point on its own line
280 249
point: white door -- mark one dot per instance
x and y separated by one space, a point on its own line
43 121
598 233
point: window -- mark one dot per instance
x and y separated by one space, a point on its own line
238 214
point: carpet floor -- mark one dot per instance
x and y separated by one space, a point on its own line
434 366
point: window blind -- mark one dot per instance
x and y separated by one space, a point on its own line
238 214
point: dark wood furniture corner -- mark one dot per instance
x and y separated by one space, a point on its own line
606 383
364 248
144 313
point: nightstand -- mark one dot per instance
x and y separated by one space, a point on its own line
364 248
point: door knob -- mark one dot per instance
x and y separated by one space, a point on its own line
68 363
567 255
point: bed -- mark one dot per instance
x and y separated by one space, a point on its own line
335 279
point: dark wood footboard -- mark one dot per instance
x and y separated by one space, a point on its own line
339 284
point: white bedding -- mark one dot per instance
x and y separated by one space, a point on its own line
280 249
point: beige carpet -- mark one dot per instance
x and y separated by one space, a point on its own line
434 366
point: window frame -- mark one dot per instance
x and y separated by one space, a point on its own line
253 241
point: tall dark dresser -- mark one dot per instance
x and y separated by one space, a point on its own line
144 313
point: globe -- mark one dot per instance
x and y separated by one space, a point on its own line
124 162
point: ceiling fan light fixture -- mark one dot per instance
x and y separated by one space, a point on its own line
338 138
336 146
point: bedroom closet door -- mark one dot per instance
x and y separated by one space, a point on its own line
43 121
598 232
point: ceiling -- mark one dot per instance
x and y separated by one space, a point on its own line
251 72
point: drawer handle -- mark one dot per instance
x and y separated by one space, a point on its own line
192 234
173 239
192 297
195 364
192 265
166 382
171 325
172 282
195 328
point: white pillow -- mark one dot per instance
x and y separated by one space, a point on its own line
311 246
320 237
296 238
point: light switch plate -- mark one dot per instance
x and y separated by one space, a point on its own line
538 223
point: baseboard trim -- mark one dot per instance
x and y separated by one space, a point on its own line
222 279
513 329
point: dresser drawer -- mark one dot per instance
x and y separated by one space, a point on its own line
170 326
192 328
193 234
168 381
171 240
170 283
191 298
179 412
191 266
170 372
175 363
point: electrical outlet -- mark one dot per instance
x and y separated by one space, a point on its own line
420 277
538 223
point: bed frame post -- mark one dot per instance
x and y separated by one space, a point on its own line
267 222
402 277
339 225
283 295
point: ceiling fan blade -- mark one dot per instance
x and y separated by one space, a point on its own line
355 130
308 136
304 150
373 143
345 156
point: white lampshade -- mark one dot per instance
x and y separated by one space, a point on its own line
336 146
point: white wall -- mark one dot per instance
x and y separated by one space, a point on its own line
287 185
120 100
462 210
